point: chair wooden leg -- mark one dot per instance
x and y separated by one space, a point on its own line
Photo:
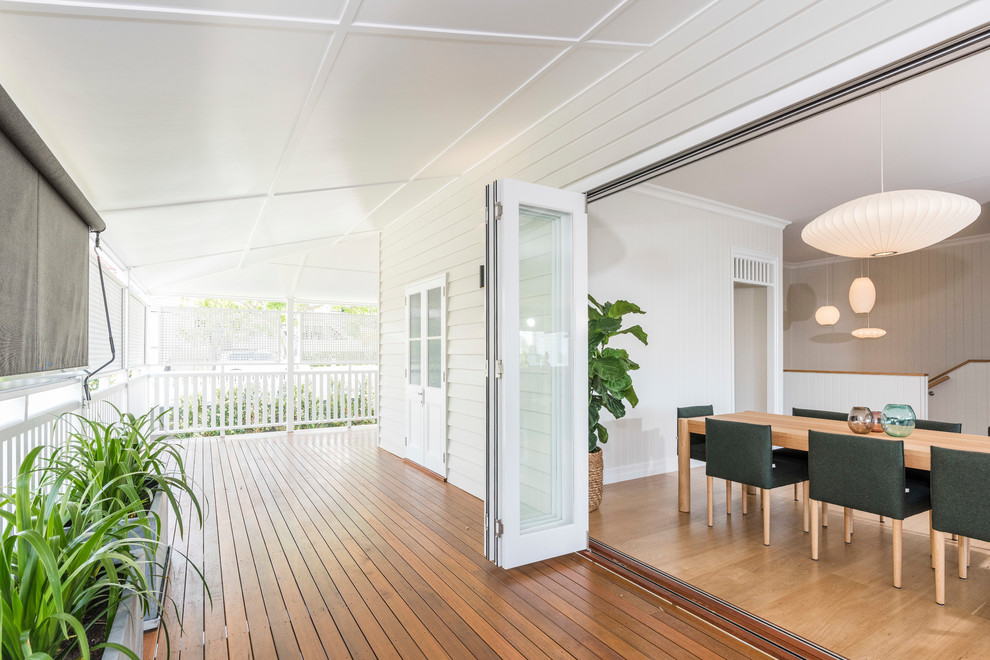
938 551
847 516
743 488
824 514
728 497
806 507
963 557
955 537
795 492
931 538
814 530
898 551
882 520
711 493
765 494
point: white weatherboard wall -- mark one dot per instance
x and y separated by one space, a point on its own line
732 63
673 258
840 392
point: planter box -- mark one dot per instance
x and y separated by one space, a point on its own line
127 630
156 567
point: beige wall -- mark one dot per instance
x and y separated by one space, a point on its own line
934 305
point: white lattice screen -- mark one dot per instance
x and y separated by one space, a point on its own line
338 338
207 335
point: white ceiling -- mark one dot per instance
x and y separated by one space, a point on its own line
934 136
253 147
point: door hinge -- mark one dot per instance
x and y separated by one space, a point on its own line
405 441
443 458
499 529
499 369
498 210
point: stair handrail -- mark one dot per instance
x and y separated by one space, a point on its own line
944 376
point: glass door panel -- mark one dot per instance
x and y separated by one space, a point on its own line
536 505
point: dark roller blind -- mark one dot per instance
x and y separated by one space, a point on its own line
18 274
44 243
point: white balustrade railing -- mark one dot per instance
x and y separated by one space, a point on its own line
196 401
202 401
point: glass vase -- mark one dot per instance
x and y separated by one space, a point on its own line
860 419
898 420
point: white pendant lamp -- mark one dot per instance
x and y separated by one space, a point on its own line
827 314
869 333
862 295
888 223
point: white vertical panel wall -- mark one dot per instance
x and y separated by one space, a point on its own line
673 258
841 391
964 398
933 303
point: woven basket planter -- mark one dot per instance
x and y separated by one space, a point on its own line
595 470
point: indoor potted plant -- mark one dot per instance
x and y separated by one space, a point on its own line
609 382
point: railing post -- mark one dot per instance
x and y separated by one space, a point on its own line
290 359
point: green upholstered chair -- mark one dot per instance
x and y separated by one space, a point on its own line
863 473
697 439
819 414
932 425
960 505
743 453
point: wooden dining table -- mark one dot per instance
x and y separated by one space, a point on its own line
792 432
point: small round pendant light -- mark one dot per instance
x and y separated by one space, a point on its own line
827 314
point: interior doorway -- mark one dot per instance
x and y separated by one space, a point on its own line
750 344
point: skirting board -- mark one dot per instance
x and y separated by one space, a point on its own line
639 470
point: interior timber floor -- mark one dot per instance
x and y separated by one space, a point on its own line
845 601
320 545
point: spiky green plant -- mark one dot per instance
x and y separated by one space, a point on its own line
125 462
69 564
609 382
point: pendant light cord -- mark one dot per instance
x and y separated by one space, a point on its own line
880 93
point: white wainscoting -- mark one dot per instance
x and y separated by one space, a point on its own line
841 391
965 398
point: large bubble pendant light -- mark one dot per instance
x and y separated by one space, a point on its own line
888 223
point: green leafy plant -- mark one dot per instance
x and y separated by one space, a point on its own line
609 382
70 564
122 463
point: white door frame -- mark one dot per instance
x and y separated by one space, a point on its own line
437 460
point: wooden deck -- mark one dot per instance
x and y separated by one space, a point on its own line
844 602
320 545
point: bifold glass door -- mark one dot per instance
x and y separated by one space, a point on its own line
536 505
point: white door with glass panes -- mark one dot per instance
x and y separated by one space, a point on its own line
426 379
536 504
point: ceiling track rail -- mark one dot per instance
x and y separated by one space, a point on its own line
937 56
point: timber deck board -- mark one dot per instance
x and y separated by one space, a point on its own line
320 545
